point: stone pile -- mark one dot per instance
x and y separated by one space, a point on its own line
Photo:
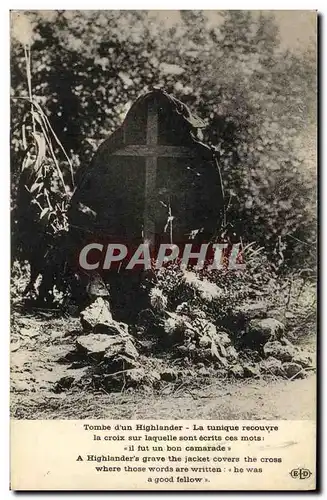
106 355
104 349
253 344
265 335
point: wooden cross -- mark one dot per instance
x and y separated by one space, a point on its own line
151 152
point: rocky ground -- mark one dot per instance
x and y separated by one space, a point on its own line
94 367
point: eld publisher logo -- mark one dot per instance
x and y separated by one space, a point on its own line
300 473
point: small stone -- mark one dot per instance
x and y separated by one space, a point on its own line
182 349
135 377
97 287
292 370
278 351
14 346
222 338
119 363
204 372
283 340
29 332
21 386
121 346
146 346
247 312
205 341
251 371
210 329
155 376
111 328
65 383
272 366
169 375
130 350
237 371
231 353
301 359
189 333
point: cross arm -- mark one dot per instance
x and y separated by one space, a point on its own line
148 150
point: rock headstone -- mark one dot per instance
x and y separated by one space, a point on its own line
164 169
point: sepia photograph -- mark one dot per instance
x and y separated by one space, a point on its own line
163 215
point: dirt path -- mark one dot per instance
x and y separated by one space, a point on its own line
38 343
253 400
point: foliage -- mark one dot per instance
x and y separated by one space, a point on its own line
40 223
216 295
41 176
256 98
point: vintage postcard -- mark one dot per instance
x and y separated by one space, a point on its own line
164 256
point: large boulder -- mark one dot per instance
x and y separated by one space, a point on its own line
94 343
96 346
260 331
278 351
96 313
